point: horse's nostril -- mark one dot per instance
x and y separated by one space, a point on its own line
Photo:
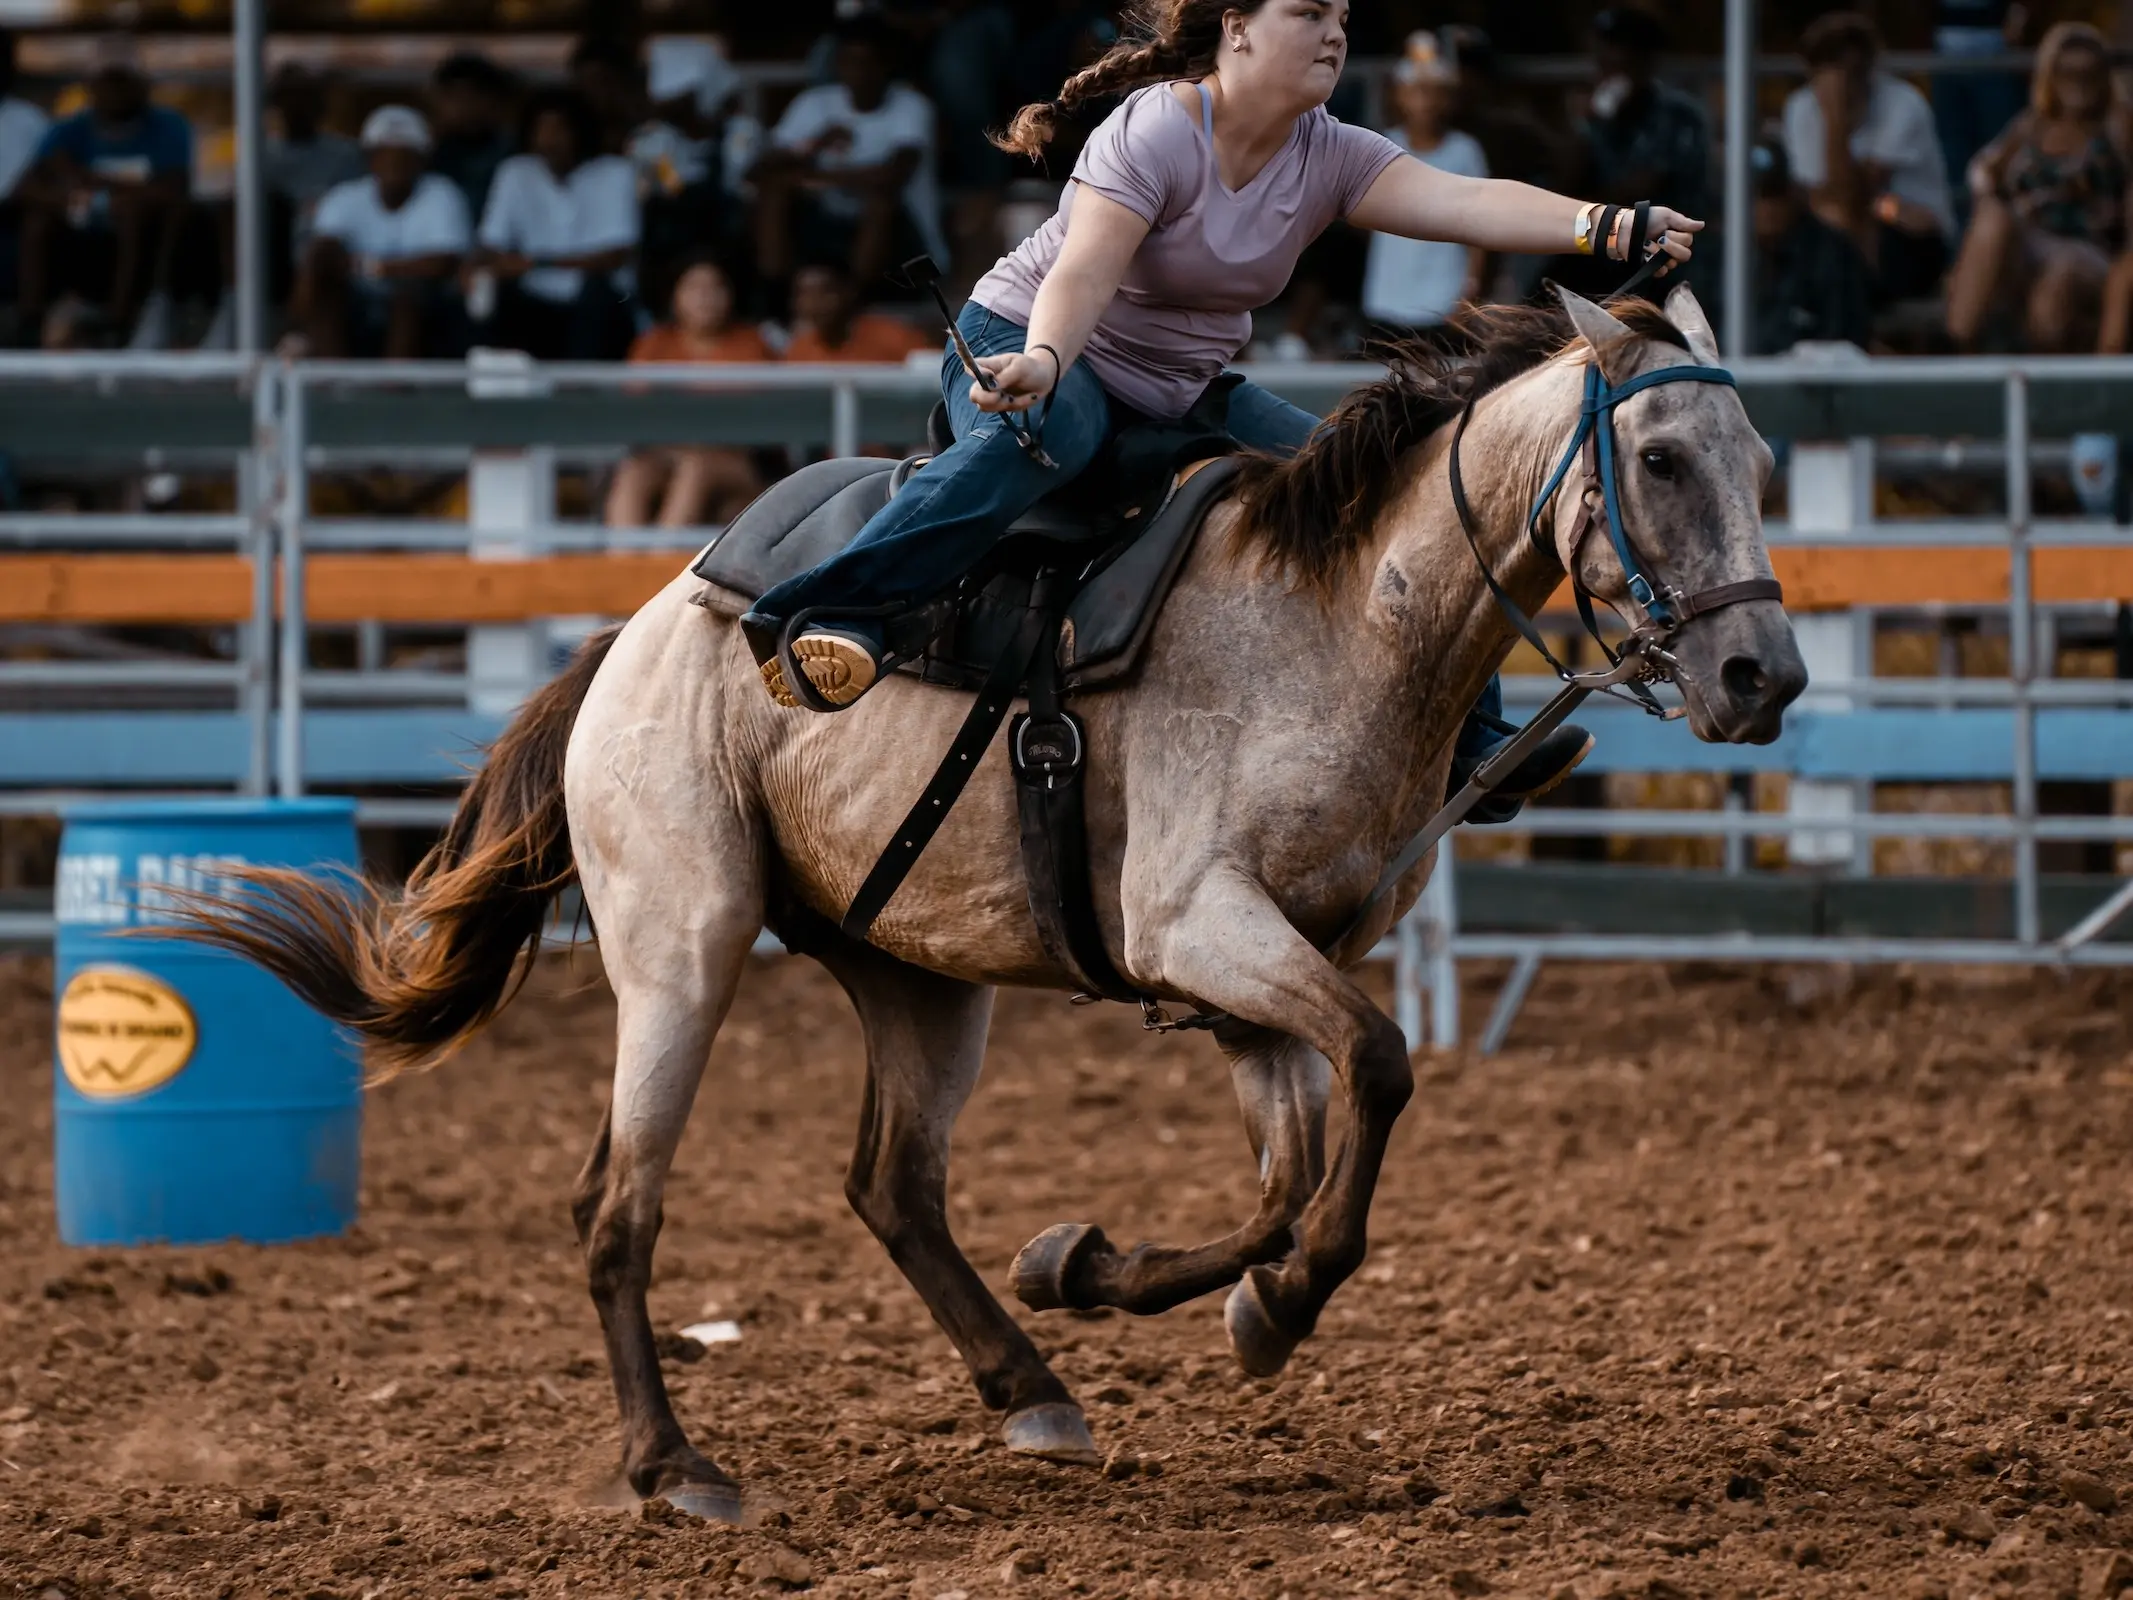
1744 679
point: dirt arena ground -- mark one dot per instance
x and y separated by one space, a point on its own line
1742 1285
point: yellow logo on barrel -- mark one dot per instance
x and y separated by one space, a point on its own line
123 1032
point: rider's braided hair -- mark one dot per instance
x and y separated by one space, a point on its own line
1159 40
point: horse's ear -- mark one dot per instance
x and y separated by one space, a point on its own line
1685 312
1609 336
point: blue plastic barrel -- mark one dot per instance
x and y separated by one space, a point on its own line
197 1098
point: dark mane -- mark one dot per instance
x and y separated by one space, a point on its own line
1309 514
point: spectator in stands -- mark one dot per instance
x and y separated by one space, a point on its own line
2048 200
22 131
1971 108
377 272
1075 36
967 60
605 70
849 171
1882 179
1810 279
829 326
302 159
104 203
704 479
678 150
1643 139
1515 141
552 272
1410 286
470 109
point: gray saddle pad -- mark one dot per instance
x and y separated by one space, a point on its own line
806 518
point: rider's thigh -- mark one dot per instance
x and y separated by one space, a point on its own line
1259 420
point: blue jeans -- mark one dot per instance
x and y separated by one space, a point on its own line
954 508
957 505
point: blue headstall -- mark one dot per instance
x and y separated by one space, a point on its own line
1665 606
1597 422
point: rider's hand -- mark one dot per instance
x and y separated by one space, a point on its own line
1024 379
1678 232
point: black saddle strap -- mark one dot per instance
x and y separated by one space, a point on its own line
1048 749
949 779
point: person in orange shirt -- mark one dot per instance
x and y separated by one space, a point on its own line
829 326
701 478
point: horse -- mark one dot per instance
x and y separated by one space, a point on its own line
1289 728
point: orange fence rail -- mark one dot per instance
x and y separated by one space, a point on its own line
209 590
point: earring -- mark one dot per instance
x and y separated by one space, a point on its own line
1237 45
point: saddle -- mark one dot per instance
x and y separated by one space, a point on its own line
1117 536
1064 603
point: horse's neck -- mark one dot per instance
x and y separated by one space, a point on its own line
1426 583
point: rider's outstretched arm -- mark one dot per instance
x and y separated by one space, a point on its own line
1417 201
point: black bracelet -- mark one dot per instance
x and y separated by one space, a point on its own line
1058 366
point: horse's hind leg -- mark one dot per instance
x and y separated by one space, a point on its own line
1282 1086
925 1040
673 978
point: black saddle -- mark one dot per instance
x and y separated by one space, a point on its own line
1117 535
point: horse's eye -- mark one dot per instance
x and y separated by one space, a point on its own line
1659 463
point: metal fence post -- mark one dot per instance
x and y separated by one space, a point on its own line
1407 979
295 631
259 481
844 419
1739 216
1440 933
2021 667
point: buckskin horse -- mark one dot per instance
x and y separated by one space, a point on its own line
1289 728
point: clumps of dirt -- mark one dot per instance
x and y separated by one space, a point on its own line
1720 1283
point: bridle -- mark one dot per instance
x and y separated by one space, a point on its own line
1665 606
1643 659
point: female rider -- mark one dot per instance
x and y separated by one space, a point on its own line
1188 209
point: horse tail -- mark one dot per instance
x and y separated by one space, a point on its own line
415 974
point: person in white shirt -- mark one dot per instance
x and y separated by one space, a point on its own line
684 152
1885 182
1411 286
849 172
552 272
384 247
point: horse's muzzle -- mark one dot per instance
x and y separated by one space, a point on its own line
1739 669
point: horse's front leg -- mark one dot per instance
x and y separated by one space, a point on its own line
1281 1086
1231 948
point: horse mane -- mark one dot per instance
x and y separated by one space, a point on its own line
1307 515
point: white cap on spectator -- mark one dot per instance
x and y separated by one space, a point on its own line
396 128
1424 61
676 66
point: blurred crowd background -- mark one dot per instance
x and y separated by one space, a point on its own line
665 181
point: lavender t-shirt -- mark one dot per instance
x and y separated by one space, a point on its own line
1213 255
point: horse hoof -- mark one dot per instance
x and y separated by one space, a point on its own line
713 1502
1260 1348
1042 1266
1054 1431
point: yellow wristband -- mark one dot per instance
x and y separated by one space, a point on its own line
1581 230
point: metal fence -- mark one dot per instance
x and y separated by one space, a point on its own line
277 428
